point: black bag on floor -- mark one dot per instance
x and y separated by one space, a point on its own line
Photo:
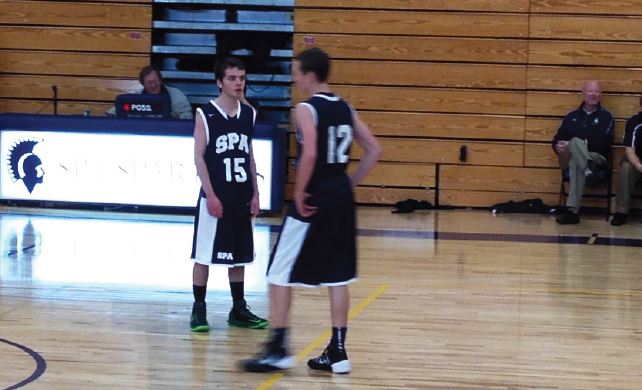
410 205
533 206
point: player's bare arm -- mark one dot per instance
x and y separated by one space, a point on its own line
214 205
370 146
305 121
254 203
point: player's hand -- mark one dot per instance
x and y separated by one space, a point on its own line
561 146
304 209
254 205
214 207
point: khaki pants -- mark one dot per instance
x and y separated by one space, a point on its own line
576 159
626 180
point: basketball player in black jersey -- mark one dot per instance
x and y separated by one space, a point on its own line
229 196
316 246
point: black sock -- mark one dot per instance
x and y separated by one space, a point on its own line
339 338
277 339
237 293
199 293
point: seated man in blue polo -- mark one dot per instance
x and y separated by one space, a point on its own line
583 145
152 81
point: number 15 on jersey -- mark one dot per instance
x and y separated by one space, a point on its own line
235 166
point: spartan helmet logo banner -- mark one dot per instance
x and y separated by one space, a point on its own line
25 165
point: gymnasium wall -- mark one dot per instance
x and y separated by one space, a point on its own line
91 50
495 75
428 75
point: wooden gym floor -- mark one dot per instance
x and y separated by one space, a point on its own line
446 300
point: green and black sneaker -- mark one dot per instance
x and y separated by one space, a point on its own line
198 320
241 316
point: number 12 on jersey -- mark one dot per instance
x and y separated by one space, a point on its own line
339 154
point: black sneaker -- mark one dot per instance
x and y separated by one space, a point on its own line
269 361
333 360
241 316
198 320
619 219
568 218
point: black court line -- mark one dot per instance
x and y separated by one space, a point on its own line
41 365
633 242
593 239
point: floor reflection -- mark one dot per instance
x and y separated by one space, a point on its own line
52 249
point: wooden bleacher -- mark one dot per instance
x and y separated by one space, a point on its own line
91 51
496 76
428 76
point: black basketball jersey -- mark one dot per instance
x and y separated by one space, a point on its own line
227 155
334 124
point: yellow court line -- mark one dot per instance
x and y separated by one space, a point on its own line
588 291
323 337
272 380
